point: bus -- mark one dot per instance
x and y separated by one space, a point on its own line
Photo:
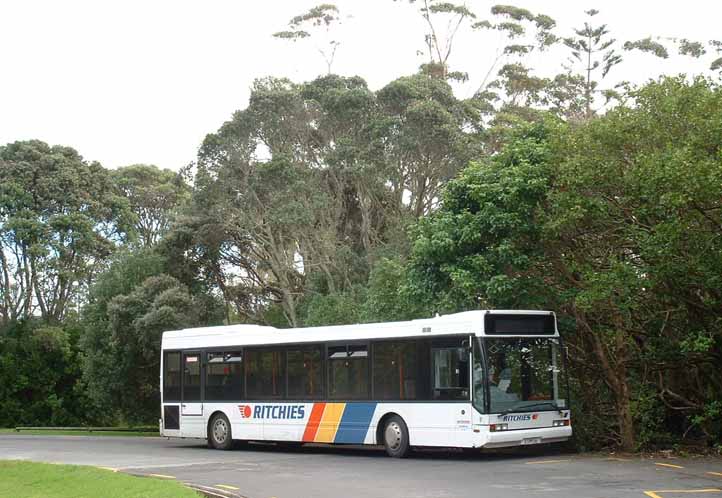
476 379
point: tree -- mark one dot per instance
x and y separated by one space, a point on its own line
60 218
480 248
632 236
428 136
439 44
276 215
132 304
594 50
306 185
155 196
514 23
523 33
615 224
40 376
322 19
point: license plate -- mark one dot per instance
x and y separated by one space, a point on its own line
531 440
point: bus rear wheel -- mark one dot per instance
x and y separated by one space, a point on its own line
219 432
396 437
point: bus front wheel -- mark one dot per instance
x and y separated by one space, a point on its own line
219 432
396 437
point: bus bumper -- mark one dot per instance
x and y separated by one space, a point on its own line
526 437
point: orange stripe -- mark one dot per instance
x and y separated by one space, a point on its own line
329 422
314 421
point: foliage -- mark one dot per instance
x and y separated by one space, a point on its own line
334 309
40 376
616 225
594 49
633 220
476 250
155 196
321 17
60 218
132 304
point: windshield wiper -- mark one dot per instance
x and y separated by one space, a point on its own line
543 403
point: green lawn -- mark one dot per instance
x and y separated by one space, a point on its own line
60 432
45 480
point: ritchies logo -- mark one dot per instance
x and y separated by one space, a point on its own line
520 418
272 411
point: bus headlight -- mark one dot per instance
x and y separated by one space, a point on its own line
498 427
561 423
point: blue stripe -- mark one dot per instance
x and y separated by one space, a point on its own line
355 423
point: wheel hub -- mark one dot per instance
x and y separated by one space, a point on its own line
392 435
220 431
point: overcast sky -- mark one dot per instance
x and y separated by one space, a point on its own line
143 81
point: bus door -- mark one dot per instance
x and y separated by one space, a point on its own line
191 405
451 382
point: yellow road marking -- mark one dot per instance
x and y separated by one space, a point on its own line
225 486
162 476
718 474
668 465
653 494
546 461
109 468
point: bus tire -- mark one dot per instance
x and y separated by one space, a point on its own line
219 432
396 437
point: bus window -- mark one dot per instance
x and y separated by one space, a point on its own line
265 376
450 366
171 377
224 377
191 377
348 368
305 372
396 370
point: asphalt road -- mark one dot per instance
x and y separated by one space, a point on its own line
332 472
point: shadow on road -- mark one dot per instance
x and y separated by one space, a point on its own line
519 453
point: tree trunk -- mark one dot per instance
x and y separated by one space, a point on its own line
622 392
616 377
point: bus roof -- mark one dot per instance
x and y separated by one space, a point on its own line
467 322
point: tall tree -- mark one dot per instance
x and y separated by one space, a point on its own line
321 19
60 218
155 197
480 248
594 50
439 42
428 136
132 303
633 228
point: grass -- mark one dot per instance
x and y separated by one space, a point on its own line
60 432
44 480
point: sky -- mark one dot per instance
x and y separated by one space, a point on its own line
143 81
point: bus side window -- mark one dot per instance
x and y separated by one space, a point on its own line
265 373
171 377
348 368
450 369
305 372
224 376
396 370
191 377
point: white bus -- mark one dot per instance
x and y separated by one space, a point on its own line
477 379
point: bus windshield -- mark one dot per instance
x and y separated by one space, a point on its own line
524 374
